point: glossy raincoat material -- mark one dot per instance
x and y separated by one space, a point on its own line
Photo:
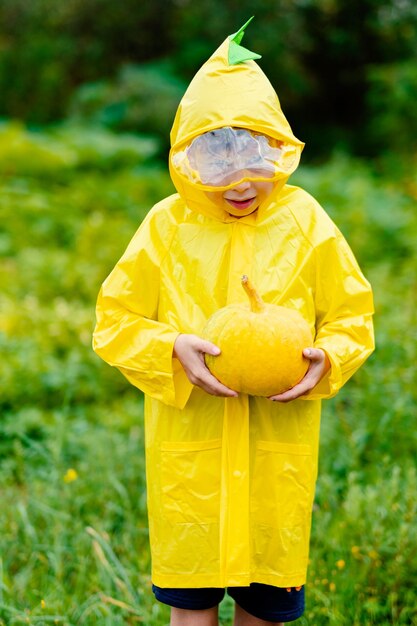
230 481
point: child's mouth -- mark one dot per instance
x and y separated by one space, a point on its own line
240 204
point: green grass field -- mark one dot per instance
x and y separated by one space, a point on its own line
73 529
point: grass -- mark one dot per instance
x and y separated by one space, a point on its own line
73 530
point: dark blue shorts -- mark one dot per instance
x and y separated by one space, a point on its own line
272 604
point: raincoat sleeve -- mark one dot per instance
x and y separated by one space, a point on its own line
344 309
128 334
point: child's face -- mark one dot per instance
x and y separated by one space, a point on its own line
220 159
244 198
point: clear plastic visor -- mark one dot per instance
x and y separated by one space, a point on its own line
225 156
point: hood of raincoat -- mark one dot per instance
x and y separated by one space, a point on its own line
237 95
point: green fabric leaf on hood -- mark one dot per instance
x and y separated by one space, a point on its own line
237 53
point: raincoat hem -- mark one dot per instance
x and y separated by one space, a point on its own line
276 580
200 581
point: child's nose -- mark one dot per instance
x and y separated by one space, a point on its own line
242 186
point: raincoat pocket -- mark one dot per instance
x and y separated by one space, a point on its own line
190 474
282 488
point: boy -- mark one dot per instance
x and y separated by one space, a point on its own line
231 478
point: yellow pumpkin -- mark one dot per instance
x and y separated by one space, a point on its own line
261 345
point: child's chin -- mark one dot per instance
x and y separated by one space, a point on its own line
236 212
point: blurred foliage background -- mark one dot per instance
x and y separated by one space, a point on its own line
88 91
346 71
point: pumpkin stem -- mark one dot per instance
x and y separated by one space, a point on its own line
256 303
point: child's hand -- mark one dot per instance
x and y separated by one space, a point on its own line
319 366
190 350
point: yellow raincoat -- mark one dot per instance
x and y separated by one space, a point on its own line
230 481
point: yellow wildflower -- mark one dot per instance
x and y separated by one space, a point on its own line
373 554
340 564
324 581
355 550
70 475
43 604
332 587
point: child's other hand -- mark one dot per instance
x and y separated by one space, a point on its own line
190 350
319 366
